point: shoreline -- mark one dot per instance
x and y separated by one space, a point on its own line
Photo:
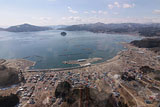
77 67
106 77
32 63
131 33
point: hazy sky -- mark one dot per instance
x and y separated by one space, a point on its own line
54 12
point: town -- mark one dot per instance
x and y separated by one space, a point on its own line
136 80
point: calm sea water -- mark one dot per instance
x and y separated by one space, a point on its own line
49 48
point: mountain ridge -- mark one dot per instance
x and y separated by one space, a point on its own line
25 28
147 30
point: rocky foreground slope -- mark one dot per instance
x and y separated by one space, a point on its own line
8 76
9 101
85 97
11 71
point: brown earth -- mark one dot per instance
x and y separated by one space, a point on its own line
8 77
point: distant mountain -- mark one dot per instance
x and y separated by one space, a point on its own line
26 28
142 29
58 26
1 29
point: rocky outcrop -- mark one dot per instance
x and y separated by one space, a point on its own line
127 77
147 43
85 97
62 90
9 101
63 33
146 69
8 76
151 43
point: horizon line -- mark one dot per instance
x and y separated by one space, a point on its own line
5 26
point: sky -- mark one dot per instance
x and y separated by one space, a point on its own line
69 12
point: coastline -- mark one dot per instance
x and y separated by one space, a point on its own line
106 75
77 67
17 63
28 63
131 33
116 57
24 64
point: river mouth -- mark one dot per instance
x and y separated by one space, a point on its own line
49 49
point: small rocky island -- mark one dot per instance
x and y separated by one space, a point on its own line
63 33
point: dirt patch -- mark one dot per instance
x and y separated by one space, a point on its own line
8 77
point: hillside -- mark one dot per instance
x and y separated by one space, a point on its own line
143 29
151 43
8 77
26 28
1 29
87 96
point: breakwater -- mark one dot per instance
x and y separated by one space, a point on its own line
56 69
